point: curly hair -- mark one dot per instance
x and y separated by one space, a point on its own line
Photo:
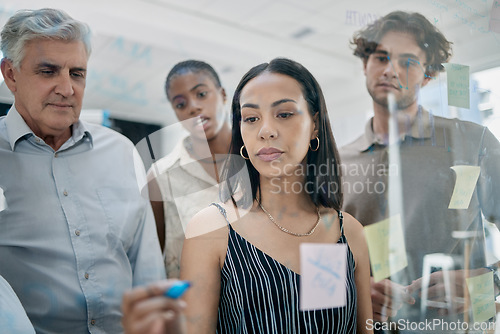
437 48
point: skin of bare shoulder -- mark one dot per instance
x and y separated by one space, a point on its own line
355 236
207 223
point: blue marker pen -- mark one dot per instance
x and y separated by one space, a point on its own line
177 290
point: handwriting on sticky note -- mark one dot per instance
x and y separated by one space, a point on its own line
482 296
464 186
458 85
386 246
323 275
495 17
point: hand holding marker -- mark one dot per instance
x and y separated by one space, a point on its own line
177 290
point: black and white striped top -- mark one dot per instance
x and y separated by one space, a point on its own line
260 295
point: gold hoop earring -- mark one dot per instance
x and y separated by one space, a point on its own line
241 153
317 147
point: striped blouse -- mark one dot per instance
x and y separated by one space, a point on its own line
260 295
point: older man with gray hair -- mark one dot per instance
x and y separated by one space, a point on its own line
76 232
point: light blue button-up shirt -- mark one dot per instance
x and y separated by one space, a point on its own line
13 318
75 232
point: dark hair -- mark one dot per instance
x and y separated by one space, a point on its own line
327 154
437 48
193 66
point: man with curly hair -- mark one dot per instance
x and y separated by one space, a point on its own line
401 53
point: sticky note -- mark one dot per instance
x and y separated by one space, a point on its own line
464 186
3 201
482 296
323 276
495 17
386 246
458 85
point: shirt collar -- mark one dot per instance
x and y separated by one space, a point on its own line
183 152
191 165
79 132
420 128
17 129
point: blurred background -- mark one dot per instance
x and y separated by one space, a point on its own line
136 42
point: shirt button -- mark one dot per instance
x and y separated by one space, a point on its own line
86 275
56 155
77 232
65 193
92 322
37 140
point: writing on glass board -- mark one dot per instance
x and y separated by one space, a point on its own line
495 17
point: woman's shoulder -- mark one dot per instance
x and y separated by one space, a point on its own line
351 223
355 235
206 221
353 229
213 219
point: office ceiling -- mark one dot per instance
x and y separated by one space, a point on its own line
136 42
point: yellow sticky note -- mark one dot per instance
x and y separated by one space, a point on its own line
482 296
386 245
458 85
464 186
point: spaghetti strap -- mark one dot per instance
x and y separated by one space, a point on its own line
341 222
222 212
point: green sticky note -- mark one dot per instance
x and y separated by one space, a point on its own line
386 246
464 186
458 85
482 296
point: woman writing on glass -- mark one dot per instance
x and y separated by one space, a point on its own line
242 257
